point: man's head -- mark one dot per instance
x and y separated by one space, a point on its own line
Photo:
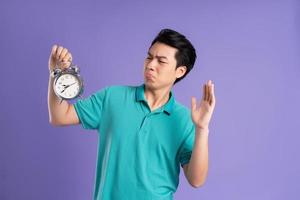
170 58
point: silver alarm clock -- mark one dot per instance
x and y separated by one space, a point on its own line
67 83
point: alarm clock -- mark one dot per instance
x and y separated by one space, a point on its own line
67 83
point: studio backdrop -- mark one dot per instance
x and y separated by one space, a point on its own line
249 49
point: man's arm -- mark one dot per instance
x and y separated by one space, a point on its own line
196 170
60 113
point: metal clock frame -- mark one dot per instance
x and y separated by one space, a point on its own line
73 70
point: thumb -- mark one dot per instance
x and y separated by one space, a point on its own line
194 103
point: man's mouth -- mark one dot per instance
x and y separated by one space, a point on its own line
149 76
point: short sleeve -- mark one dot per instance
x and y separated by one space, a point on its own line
90 109
186 148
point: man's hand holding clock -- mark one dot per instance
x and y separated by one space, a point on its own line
60 57
67 82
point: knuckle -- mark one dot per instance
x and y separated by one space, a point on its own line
59 49
54 47
63 53
66 58
53 51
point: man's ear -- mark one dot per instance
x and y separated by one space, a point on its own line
180 71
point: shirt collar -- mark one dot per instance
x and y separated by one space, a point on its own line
140 96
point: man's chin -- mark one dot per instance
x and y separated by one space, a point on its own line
150 84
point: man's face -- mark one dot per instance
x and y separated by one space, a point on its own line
160 66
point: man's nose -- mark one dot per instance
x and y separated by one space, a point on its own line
151 65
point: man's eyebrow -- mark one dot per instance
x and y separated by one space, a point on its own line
157 56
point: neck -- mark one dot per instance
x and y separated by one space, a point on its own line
157 97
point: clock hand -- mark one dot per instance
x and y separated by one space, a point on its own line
71 84
66 86
63 90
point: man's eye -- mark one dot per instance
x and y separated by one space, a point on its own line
161 61
148 58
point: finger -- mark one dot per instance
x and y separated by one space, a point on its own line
53 50
203 93
66 58
58 52
63 53
206 92
213 94
209 93
194 103
66 64
209 82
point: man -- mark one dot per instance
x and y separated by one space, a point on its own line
144 133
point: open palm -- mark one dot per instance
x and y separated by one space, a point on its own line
202 112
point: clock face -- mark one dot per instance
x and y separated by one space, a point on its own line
67 86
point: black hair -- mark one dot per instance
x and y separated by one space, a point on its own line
186 53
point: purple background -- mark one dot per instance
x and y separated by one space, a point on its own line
250 49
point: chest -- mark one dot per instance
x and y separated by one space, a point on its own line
155 133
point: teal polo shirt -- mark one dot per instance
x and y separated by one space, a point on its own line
139 151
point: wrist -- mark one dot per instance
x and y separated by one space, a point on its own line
202 130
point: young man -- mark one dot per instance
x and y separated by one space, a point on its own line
145 135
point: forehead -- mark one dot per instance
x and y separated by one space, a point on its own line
160 49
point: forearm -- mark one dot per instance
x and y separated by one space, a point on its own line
56 109
198 165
